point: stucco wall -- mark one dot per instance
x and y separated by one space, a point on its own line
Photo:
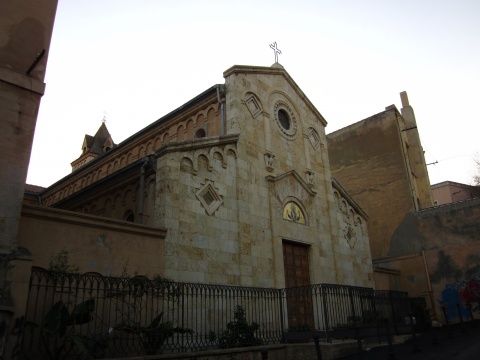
25 31
95 244
449 235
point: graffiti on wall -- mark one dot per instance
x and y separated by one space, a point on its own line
461 292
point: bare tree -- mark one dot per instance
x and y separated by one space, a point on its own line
476 177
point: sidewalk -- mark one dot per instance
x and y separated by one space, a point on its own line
464 345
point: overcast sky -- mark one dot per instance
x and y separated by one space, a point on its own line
138 60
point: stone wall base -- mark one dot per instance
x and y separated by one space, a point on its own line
332 351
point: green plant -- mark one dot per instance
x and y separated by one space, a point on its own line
239 333
154 335
57 329
60 262
132 308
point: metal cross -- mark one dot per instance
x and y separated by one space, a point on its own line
276 50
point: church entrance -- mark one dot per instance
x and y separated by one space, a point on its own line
297 281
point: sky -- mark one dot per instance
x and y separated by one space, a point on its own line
134 61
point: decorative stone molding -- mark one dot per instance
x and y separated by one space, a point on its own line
314 138
269 157
287 124
310 175
350 236
209 197
253 105
292 212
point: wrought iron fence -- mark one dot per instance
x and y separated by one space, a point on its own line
70 315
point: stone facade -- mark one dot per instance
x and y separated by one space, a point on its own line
231 176
250 175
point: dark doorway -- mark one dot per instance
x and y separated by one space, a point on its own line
297 283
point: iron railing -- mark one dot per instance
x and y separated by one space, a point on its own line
71 314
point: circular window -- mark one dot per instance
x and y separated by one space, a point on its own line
285 119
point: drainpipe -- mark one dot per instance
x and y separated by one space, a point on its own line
430 292
141 191
222 128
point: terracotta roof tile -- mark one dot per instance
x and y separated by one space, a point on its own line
34 188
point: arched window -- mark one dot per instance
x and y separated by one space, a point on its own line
201 133
129 216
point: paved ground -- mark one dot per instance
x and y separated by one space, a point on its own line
464 345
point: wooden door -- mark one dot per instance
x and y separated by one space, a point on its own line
297 281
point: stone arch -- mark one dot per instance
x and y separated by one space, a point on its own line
165 137
336 197
344 207
117 201
107 205
216 153
123 161
230 150
211 113
181 132
203 163
200 119
150 149
293 210
128 196
148 182
351 214
200 133
187 165
128 216
157 142
201 156
190 126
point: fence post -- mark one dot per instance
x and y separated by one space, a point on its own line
264 353
282 313
414 335
463 329
325 314
391 354
316 339
430 326
469 308
447 323
394 316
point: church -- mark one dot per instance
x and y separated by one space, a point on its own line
233 187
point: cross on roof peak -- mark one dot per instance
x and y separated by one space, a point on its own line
276 50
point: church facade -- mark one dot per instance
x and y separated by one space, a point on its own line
238 181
